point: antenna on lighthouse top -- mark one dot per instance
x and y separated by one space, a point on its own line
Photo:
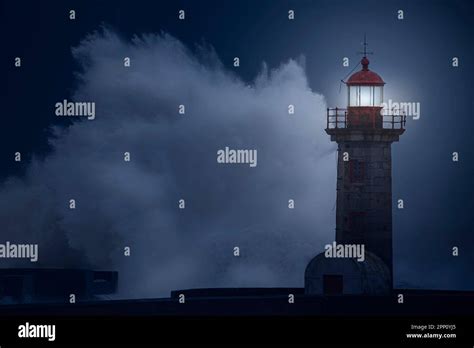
365 53
364 61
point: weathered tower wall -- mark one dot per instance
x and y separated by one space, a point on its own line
364 189
364 197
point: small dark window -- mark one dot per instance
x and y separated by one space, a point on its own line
332 284
356 171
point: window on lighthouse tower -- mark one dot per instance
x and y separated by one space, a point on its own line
365 95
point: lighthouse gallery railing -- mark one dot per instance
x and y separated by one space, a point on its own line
337 119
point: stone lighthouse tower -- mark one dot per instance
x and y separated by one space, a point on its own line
364 135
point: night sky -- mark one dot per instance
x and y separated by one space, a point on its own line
412 55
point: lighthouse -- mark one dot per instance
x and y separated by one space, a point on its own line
364 132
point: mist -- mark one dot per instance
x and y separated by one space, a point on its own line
134 204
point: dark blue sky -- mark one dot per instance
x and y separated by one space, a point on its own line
412 55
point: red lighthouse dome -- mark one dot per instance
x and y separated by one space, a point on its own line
365 77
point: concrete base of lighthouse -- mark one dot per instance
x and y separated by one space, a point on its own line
347 276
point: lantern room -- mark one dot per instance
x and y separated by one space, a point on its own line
365 106
365 97
365 87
